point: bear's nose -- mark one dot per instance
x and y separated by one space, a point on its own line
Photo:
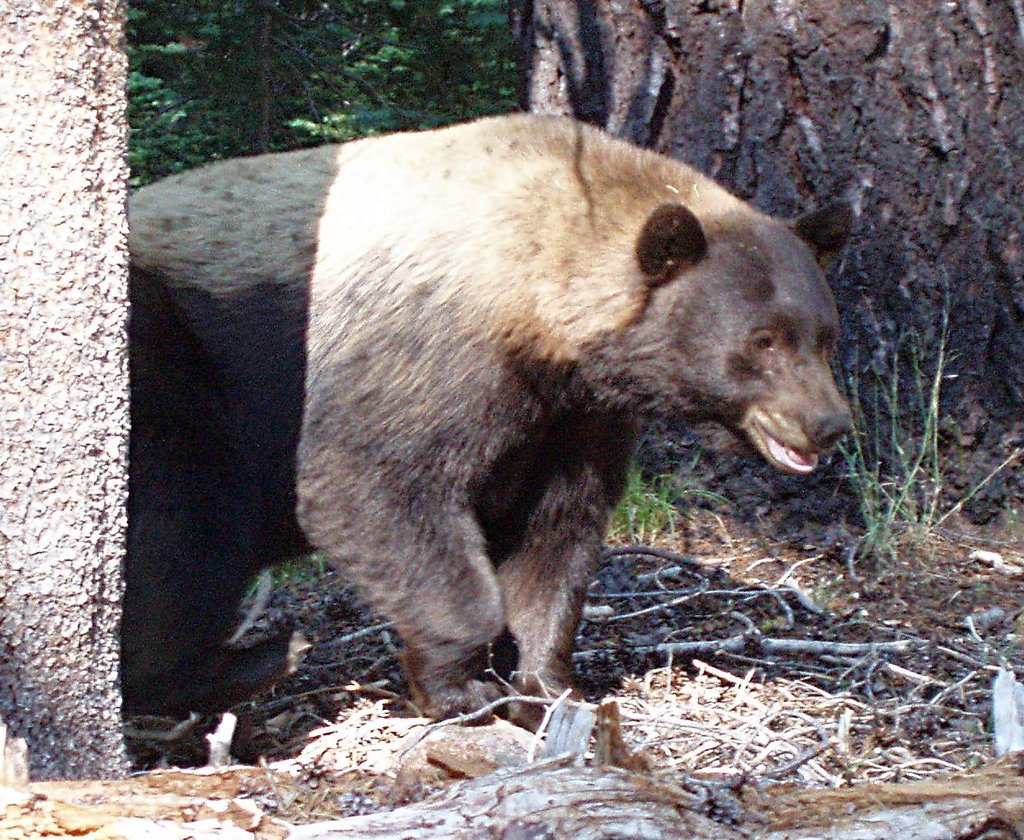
829 428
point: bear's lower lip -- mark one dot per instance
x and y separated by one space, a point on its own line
788 458
778 454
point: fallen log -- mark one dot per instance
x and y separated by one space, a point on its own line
587 803
986 803
552 799
555 798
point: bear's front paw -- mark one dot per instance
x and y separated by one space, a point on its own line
530 715
467 698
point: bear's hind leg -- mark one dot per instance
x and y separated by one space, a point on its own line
214 679
195 519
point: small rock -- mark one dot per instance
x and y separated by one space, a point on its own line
465 752
987 619
996 561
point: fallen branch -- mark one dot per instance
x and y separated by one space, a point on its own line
552 798
755 643
965 806
650 551
838 648
182 729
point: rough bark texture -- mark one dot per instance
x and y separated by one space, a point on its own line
588 803
576 802
547 801
912 110
63 380
539 802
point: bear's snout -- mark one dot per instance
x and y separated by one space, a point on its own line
828 429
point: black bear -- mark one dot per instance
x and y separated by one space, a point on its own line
428 355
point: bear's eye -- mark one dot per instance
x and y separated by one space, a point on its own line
763 340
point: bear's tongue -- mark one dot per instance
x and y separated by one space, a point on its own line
791 458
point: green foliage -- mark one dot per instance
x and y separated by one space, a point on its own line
219 79
650 507
647 509
301 569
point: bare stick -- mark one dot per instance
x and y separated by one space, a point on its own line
264 589
651 551
165 736
1009 459
744 641
838 648
220 741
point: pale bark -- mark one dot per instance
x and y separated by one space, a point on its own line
63 380
597 803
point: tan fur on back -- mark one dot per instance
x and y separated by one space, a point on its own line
226 226
523 226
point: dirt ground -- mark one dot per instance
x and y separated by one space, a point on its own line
736 653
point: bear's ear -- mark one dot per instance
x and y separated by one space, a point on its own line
826 228
671 239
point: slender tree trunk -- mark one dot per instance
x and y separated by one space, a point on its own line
63 380
913 110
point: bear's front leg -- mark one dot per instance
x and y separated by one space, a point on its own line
546 588
418 559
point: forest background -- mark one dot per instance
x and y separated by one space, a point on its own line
213 80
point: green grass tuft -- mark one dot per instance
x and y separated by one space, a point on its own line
649 508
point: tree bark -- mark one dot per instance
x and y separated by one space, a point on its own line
63 380
912 110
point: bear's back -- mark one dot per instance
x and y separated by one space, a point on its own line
526 224
227 226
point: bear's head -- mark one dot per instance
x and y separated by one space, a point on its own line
739 327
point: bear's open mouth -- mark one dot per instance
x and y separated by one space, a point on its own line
775 451
787 457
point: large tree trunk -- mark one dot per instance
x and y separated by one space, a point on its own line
63 380
913 110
